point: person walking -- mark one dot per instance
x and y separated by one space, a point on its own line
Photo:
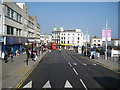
17 54
10 58
28 52
6 57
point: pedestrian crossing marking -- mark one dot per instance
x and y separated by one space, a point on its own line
68 85
28 85
47 85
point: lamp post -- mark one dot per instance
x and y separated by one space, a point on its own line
106 40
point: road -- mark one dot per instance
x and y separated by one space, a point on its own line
67 69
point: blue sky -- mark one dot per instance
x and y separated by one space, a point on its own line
89 16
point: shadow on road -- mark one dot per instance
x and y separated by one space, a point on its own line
108 82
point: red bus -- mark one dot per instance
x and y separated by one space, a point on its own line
52 45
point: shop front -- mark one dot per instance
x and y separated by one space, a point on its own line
13 44
1 41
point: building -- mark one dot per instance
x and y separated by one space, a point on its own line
114 48
115 42
18 27
1 33
95 42
45 39
68 37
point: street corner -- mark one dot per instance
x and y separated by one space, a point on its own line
22 70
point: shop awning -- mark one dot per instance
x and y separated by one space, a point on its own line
67 44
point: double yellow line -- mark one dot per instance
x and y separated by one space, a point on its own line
28 74
100 64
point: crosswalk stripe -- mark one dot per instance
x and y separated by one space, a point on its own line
28 85
68 85
47 85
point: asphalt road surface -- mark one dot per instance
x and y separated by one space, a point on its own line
67 69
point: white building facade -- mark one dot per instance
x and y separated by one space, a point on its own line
68 37
95 42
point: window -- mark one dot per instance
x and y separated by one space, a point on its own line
64 34
98 44
61 41
78 34
61 37
68 34
94 40
17 32
68 42
8 11
78 38
19 17
12 14
73 34
64 37
98 40
9 30
64 42
78 41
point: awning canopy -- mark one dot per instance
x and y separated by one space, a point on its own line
67 44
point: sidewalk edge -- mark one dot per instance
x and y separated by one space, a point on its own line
103 65
25 76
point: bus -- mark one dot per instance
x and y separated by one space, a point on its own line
52 45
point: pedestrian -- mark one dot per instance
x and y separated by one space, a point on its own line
98 55
6 57
10 58
28 52
33 56
17 54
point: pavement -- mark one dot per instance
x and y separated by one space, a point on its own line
110 64
13 72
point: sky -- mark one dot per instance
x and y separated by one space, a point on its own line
87 16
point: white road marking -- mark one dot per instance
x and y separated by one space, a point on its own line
83 84
94 64
68 85
28 85
84 64
75 71
69 64
75 64
47 85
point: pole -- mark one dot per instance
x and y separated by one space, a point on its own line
86 43
32 52
106 40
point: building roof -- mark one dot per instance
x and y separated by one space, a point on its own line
95 37
115 39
